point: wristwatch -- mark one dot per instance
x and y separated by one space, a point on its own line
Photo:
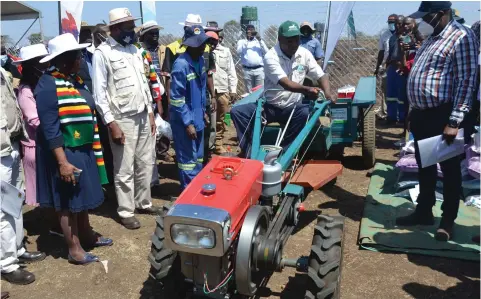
453 124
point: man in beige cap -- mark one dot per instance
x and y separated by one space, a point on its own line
309 42
123 98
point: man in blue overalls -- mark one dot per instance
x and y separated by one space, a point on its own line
187 104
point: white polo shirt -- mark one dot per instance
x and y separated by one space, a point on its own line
384 42
278 66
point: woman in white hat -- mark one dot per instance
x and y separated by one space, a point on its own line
70 167
32 69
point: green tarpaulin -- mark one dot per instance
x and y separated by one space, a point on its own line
379 232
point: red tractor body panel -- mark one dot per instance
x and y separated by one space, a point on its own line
234 195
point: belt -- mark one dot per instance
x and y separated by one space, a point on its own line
252 67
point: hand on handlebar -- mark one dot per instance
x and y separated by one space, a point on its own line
330 97
312 92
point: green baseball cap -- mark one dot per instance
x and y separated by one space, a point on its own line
289 29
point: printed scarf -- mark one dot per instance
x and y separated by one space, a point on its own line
78 121
150 73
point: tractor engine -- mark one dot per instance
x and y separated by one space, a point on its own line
204 223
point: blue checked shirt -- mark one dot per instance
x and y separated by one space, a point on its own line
445 70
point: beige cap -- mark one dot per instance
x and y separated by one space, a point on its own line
307 24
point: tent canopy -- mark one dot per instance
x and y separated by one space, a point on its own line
15 10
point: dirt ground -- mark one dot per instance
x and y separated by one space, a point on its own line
365 274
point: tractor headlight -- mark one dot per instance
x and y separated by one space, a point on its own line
192 236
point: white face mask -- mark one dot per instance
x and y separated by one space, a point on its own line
428 28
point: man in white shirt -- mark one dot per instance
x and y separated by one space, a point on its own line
252 50
286 67
381 59
124 101
225 85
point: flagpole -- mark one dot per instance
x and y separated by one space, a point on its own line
326 27
141 13
59 18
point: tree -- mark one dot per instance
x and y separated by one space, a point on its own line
35 38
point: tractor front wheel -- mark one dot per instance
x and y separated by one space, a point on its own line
369 138
325 259
165 263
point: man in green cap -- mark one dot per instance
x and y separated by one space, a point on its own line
286 66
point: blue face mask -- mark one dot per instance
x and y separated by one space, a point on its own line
3 59
126 37
392 27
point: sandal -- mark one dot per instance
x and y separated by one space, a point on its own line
88 259
100 241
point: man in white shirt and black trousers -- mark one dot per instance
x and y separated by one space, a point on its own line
251 51
286 67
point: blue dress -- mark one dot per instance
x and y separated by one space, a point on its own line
51 190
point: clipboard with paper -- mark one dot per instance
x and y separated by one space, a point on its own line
434 149
11 199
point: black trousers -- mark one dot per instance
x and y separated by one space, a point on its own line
425 124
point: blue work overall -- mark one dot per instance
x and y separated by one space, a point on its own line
187 107
396 94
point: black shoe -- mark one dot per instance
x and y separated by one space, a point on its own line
416 218
443 234
31 257
5 295
445 231
19 276
130 223
149 211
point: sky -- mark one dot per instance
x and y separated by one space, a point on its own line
369 16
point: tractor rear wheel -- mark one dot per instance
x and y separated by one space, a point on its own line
369 138
165 263
325 259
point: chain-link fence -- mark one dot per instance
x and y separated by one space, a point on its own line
356 51
268 31
355 54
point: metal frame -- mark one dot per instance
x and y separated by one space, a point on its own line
285 159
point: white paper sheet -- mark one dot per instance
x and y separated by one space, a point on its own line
434 150
11 200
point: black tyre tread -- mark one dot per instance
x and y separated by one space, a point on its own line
369 139
161 258
325 260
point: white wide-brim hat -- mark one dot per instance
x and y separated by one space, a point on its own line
60 44
120 15
31 52
192 20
